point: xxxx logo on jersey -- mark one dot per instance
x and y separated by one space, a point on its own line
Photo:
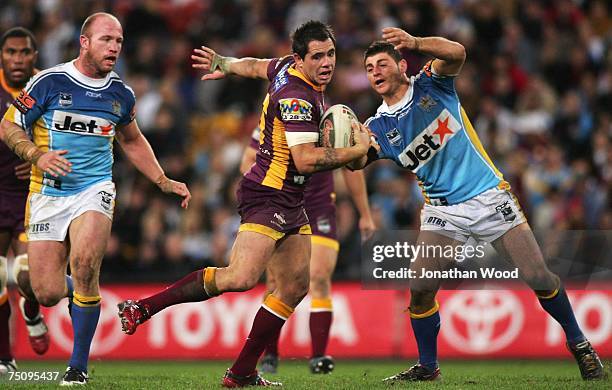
430 141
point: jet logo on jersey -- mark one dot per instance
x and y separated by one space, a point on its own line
82 124
430 141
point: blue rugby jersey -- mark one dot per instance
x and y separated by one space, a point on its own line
61 108
429 133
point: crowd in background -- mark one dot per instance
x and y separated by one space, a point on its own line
537 85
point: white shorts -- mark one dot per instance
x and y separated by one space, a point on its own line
485 217
48 217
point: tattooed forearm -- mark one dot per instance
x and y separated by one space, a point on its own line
329 160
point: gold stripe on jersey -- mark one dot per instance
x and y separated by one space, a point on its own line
294 72
503 185
277 171
26 217
425 196
262 119
41 139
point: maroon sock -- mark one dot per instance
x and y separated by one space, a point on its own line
5 336
320 323
272 347
266 326
188 289
31 309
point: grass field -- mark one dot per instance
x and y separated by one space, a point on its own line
496 374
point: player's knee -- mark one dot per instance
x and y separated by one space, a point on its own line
244 282
83 272
320 285
541 279
48 296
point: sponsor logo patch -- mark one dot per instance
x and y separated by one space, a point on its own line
39 228
426 103
506 211
323 225
293 109
394 137
82 124
24 102
430 141
435 221
65 99
116 106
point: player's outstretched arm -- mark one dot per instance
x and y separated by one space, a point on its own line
449 55
219 66
309 158
355 181
139 152
18 141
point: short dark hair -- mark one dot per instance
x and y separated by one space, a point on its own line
18 32
382 47
313 30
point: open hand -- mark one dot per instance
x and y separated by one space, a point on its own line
54 164
209 61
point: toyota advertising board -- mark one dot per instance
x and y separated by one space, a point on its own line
367 324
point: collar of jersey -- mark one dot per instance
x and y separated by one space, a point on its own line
96 83
294 72
13 91
403 101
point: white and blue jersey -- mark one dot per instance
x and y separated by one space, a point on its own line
63 109
429 133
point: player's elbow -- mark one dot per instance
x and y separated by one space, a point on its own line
304 166
460 53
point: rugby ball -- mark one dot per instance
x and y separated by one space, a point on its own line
335 127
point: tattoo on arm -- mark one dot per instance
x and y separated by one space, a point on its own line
328 161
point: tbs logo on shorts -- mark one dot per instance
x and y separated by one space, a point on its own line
506 211
39 228
435 221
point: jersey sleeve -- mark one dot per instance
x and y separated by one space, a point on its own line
128 113
31 102
376 132
299 115
276 65
443 82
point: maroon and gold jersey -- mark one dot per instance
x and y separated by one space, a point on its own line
8 160
291 114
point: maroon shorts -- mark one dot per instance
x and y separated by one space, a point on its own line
12 210
322 219
269 211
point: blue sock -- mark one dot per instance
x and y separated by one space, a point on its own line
426 333
560 309
85 315
70 285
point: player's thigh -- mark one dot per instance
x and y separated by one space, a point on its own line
89 233
291 264
519 246
47 266
248 259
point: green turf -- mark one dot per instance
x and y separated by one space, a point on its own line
494 374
